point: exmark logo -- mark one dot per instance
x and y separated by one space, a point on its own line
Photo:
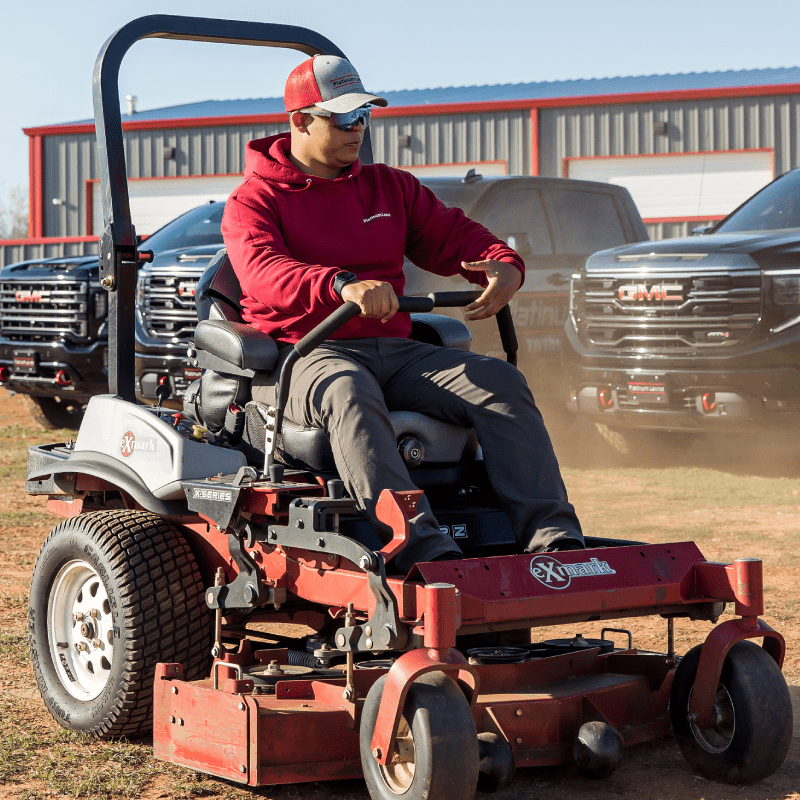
553 573
129 444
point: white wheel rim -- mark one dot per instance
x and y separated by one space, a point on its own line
80 630
399 773
717 737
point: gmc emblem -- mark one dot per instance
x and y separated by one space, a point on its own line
634 292
187 288
28 296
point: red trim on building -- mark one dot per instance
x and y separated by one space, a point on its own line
534 141
656 220
36 201
49 240
446 108
89 195
31 187
177 177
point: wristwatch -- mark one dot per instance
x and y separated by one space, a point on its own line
341 280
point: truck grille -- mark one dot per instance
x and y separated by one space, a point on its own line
167 301
666 313
42 310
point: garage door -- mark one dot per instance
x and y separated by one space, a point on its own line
155 201
681 186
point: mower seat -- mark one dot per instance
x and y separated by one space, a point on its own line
230 352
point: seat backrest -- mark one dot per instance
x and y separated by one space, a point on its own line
217 297
218 293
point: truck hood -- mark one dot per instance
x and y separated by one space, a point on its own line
712 251
71 268
199 255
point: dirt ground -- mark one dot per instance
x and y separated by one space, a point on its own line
727 511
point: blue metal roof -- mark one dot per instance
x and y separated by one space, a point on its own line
502 92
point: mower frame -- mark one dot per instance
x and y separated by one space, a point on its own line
269 543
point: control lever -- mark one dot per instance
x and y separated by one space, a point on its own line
162 393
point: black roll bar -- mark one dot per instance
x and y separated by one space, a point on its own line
119 258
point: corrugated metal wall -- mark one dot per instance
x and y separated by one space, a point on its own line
454 139
12 253
692 126
71 160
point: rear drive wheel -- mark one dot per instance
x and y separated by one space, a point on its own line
436 749
751 729
55 412
113 593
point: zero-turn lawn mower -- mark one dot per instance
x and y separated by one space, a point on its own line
213 585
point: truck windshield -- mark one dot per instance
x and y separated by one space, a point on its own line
776 207
199 226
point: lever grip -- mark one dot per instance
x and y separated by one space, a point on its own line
325 329
454 299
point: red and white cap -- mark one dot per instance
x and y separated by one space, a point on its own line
328 82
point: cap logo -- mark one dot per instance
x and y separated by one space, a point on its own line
344 81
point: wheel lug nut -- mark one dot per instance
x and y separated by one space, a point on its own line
95 614
81 646
79 616
96 643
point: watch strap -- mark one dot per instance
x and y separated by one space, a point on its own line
341 279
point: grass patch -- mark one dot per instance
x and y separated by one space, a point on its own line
14 443
78 766
689 487
19 741
695 486
72 764
13 602
14 647
25 519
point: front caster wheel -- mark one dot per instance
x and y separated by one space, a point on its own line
436 750
113 593
751 729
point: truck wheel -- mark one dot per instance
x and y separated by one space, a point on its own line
55 412
752 726
636 446
436 746
113 593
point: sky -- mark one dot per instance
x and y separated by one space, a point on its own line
48 49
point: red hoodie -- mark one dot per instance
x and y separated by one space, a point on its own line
288 234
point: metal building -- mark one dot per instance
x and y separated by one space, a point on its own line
689 147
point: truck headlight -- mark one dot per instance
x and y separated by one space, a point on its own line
786 291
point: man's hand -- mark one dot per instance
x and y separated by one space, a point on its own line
504 280
376 299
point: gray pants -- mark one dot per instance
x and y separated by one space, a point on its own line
348 387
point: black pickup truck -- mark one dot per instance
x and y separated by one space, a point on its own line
553 223
693 335
53 330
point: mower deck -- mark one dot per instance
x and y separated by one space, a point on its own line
305 731
305 727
